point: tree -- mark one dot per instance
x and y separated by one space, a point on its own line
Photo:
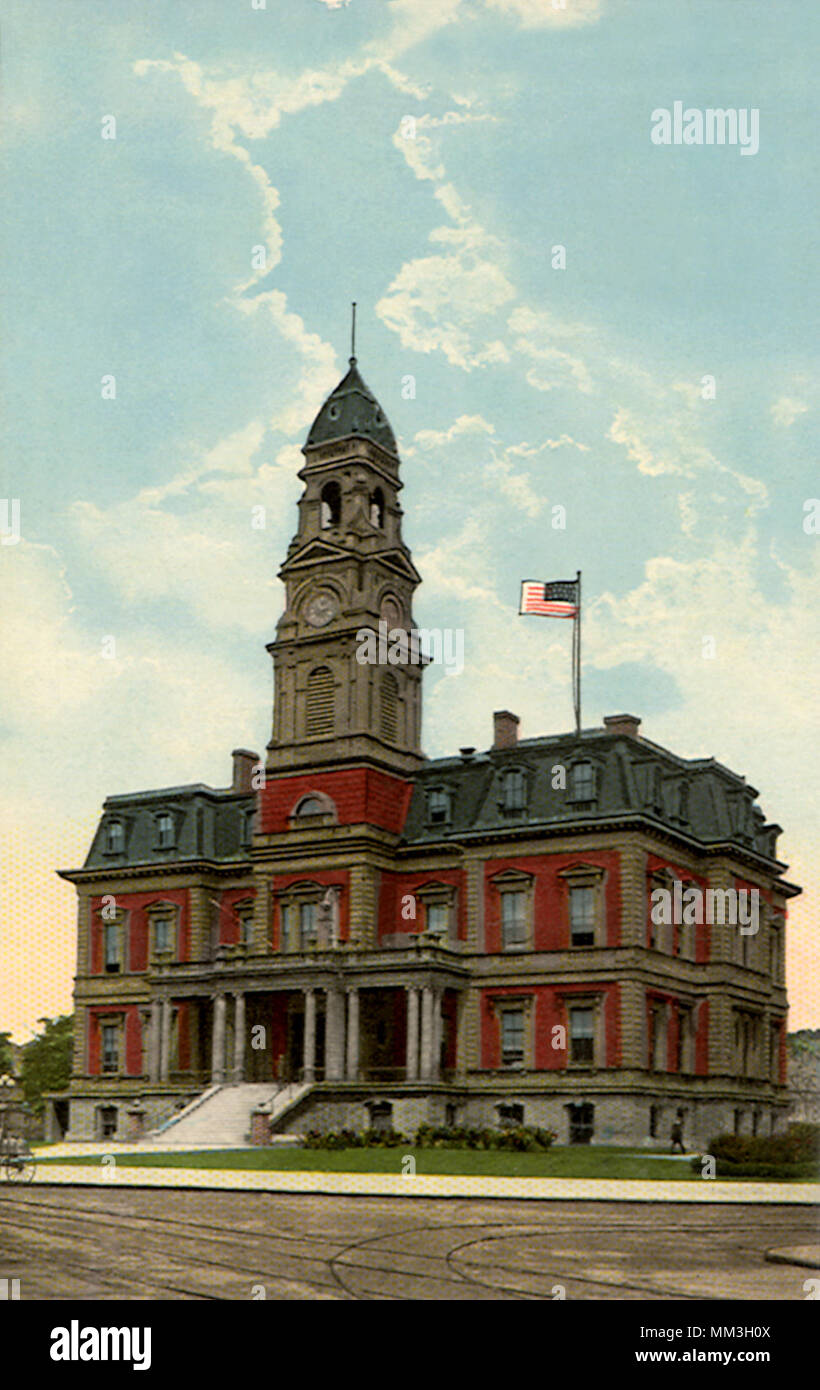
47 1060
6 1057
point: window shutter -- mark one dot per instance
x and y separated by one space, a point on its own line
390 694
320 698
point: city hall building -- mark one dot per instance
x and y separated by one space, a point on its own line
352 934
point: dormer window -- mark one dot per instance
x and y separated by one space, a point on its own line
330 507
583 781
165 830
439 806
248 825
114 837
514 791
377 508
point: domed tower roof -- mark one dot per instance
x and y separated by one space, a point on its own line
352 409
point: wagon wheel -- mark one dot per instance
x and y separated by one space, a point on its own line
19 1168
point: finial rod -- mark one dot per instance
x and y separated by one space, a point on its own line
353 334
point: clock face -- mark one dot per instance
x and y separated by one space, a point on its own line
321 609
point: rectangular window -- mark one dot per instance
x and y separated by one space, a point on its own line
245 928
512 1037
110 1036
582 1035
438 919
582 915
111 937
285 926
439 807
165 831
513 919
583 782
307 925
162 935
514 790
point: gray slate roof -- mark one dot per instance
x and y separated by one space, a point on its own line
696 798
208 825
352 409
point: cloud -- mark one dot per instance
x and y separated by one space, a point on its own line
536 334
541 14
786 410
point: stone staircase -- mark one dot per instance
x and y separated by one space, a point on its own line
222 1114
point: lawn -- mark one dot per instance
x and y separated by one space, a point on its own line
561 1162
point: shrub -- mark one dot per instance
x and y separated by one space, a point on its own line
519 1138
793 1154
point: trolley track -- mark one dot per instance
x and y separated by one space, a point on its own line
112 1246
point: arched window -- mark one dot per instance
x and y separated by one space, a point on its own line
310 806
390 707
331 505
377 508
320 698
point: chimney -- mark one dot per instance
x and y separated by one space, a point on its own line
505 729
467 754
626 724
243 764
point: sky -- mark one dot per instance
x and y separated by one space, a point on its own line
562 320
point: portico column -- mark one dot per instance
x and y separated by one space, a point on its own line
239 1037
334 1035
412 1060
154 1041
426 1033
218 1042
309 1057
352 1070
165 1041
438 1023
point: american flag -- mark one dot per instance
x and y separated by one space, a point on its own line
557 599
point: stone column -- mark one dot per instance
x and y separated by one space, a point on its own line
239 1037
218 1042
352 1068
154 1041
426 1033
412 1062
334 1035
165 1041
438 1024
309 1057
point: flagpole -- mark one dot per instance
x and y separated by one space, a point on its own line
577 653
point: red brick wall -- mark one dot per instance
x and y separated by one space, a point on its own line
228 919
132 1042
362 796
551 900
550 1011
136 905
395 886
654 864
339 878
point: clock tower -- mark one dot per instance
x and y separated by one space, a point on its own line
347 683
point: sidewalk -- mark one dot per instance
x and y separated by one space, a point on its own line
421 1184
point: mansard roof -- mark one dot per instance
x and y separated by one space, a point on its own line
208 824
352 409
633 779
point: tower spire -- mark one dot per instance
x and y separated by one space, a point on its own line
353 335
